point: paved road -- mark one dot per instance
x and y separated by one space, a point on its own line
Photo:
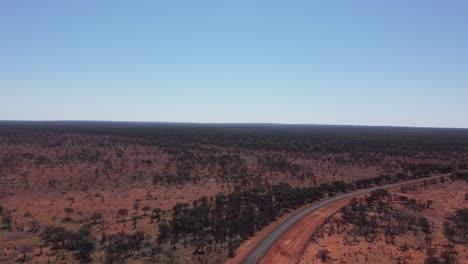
262 248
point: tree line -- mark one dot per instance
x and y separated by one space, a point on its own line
237 216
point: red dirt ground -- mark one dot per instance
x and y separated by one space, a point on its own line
447 198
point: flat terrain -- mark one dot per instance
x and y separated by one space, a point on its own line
294 232
412 246
81 191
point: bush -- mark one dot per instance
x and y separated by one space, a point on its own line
432 260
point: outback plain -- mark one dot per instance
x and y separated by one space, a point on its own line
123 192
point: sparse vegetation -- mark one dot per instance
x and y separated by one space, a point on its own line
112 191
394 228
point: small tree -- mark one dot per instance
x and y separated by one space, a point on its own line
96 216
24 249
323 255
85 247
461 222
163 232
135 207
156 214
68 210
432 260
34 226
424 223
449 256
6 220
456 228
146 209
122 213
155 250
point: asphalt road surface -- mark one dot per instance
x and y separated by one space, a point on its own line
262 248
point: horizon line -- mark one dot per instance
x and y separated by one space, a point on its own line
228 123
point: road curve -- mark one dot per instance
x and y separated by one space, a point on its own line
263 246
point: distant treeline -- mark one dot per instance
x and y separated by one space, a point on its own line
302 138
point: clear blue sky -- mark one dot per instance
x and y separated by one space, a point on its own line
361 62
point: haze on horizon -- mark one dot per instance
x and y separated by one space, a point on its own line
400 63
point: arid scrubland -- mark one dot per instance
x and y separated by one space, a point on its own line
425 223
155 192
